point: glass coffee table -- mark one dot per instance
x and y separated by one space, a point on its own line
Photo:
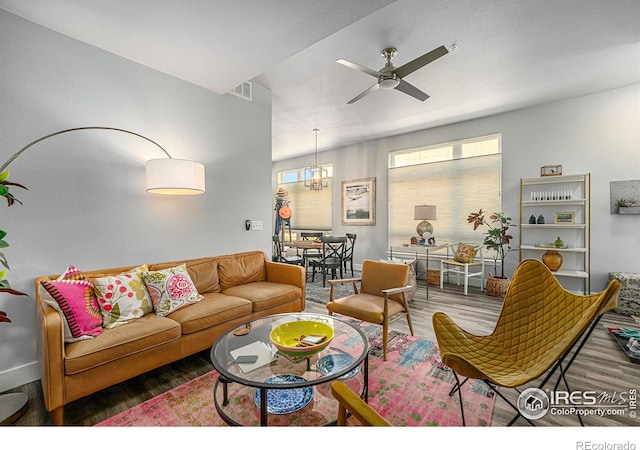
280 389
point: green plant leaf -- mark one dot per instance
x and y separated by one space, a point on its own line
2 234
3 244
4 175
3 190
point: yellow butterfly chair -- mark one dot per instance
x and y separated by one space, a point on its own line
382 298
350 402
539 324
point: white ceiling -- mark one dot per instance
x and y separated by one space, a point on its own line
510 54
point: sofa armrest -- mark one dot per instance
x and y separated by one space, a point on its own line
51 353
287 274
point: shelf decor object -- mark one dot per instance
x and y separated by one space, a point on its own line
552 259
547 171
566 199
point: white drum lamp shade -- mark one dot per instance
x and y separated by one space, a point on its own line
169 176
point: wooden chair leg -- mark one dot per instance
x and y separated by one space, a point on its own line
406 308
57 416
385 339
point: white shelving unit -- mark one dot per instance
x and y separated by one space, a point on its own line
547 196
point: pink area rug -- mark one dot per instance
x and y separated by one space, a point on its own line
411 388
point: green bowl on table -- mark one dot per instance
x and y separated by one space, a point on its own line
301 337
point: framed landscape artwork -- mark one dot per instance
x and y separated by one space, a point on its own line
359 202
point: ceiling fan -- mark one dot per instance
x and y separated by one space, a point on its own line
390 77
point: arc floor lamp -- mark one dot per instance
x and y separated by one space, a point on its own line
166 176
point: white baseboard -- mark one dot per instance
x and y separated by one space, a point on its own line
19 376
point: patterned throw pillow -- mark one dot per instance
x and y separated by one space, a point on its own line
72 295
465 253
123 298
171 289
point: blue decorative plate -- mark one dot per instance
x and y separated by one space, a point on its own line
336 362
285 401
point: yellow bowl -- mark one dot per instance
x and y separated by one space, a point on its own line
286 337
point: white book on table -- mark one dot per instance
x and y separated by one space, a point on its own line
265 353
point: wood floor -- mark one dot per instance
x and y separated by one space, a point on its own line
601 366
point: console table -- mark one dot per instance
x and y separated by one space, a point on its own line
419 252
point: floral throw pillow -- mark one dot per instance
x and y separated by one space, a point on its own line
171 289
123 298
72 295
465 253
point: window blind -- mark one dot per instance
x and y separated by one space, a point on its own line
457 187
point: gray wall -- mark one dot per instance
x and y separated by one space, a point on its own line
86 204
598 133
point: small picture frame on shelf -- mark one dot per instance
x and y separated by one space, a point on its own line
548 171
565 217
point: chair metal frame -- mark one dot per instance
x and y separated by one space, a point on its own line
278 255
348 256
604 301
462 269
333 248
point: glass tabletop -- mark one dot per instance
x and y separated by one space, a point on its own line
340 358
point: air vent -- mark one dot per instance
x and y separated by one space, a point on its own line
243 90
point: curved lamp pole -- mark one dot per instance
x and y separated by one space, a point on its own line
164 176
167 176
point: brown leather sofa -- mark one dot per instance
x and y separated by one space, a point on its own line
237 288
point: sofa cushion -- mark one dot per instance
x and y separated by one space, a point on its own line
72 295
123 298
143 334
213 309
264 295
203 273
171 289
241 268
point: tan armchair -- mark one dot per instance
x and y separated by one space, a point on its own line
538 327
382 298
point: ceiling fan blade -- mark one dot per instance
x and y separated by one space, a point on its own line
411 90
371 89
366 70
421 61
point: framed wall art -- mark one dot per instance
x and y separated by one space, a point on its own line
359 202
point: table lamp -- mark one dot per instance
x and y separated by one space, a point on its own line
424 213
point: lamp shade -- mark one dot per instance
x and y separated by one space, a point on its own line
424 212
170 176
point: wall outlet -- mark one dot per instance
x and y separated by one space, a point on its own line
256 225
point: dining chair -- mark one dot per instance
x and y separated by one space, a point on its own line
350 403
310 253
465 257
279 256
382 298
348 254
331 259
539 326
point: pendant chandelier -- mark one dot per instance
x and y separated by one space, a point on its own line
315 177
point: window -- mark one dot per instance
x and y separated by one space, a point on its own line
458 177
311 210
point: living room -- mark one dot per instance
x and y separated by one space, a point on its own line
85 204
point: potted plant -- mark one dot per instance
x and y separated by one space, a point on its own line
4 284
628 207
497 239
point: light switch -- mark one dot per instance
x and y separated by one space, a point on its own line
256 225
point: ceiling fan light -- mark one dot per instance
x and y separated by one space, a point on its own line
388 82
